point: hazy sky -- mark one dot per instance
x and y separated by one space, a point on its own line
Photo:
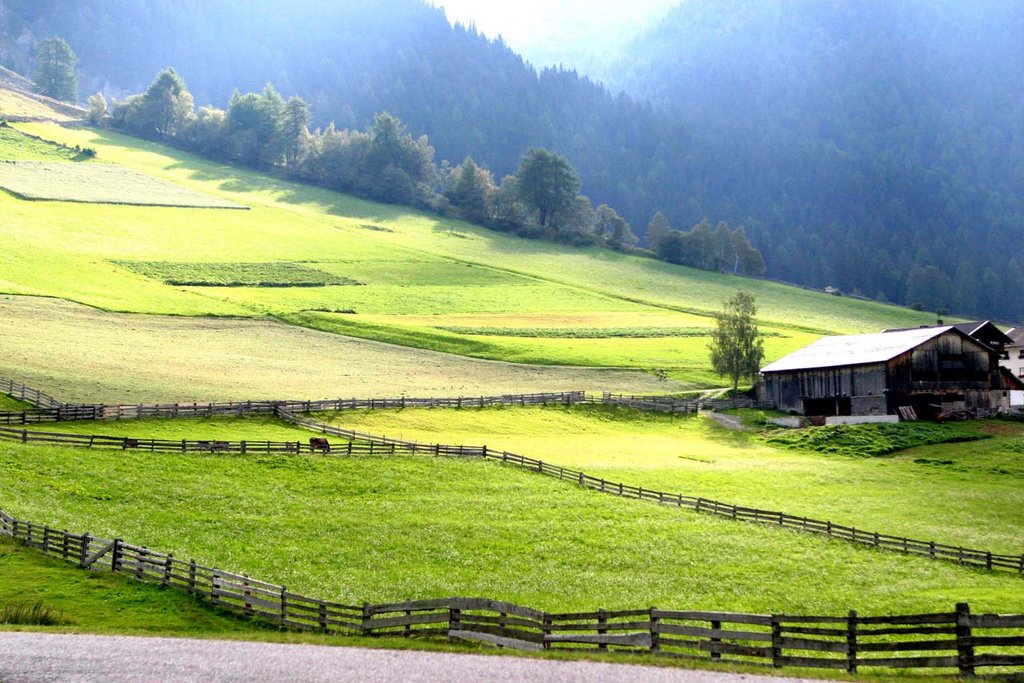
539 26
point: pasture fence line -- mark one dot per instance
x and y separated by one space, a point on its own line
125 443
669 404
937 551
27 394
50 409
956 641
60 412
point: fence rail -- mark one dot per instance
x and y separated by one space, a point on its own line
955 641
28 394
61 412
668 404
349 447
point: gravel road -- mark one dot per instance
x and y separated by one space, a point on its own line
33 657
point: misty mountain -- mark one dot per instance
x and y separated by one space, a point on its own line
875 146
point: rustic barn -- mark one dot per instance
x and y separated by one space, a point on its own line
932 369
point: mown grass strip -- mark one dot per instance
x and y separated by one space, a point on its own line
272 274
100 184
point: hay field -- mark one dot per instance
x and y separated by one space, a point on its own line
99 184
82 354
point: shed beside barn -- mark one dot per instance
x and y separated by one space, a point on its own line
932 369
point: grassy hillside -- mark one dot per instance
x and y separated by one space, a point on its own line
402 527
426 282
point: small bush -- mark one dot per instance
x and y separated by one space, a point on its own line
32 614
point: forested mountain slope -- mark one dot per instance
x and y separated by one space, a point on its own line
873 146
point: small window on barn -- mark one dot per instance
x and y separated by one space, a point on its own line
1020 354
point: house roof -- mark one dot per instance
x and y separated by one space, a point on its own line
984 331
855 349
976 329
1016 335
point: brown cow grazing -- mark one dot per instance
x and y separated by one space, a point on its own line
318 443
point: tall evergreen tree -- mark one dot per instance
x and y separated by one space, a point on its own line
56 70
657 230
293 129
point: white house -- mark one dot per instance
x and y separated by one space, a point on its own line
1013 360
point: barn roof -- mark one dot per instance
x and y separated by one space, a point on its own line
855 349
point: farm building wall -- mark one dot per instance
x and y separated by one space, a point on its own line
948 372
829 391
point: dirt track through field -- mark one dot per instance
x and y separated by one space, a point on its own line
38 657
79 353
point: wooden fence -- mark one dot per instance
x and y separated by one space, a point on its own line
28 394
931 549
348 447
668 404
140 411
955 641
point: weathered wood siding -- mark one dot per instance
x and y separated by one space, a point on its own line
789 389
951 365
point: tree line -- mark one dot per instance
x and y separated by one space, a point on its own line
384 162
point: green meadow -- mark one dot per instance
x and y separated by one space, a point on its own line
394 528
919 480
422 278
951 492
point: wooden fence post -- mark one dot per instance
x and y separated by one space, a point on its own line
168 562
192 576
851 642
284 607
776 642
546 630
715 653
115 555
83 552
321 615
655 632
246 595
964 645
453 620
214 586
365 625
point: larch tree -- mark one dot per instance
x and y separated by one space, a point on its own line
56 70
737 346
